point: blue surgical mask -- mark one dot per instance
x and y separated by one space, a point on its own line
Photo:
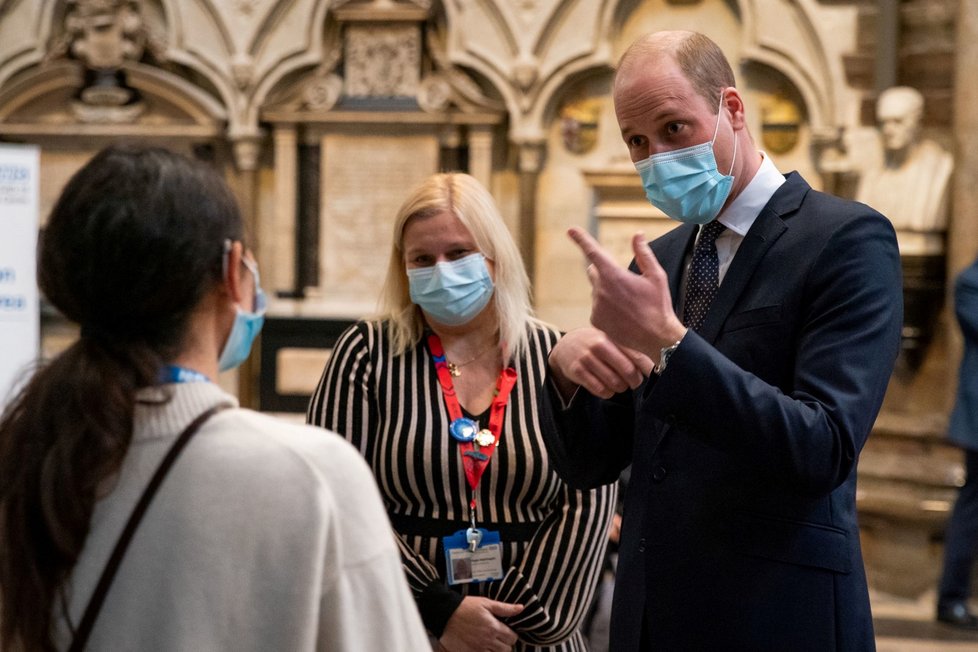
246 327
452 293
685 184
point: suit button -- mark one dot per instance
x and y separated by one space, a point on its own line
671 419
659 474
641 545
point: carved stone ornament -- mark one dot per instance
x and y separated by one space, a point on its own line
323 89
242 69
780 123
525 72
378 9
102 114
382 60
104 34
246 7
579 124
247 149
434 93
322 92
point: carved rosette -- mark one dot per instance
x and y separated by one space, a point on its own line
322 92
324 88
435 94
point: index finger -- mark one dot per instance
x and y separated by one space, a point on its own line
594 252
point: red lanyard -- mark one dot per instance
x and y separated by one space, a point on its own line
476 449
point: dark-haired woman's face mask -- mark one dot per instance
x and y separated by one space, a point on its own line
246 326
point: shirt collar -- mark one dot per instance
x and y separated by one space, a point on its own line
742 211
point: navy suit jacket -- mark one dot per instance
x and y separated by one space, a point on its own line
963 427
739 528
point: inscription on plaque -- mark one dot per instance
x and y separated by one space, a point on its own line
365 179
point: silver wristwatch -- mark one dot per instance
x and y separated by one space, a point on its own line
664 354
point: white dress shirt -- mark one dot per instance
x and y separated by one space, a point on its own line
742 211
738 217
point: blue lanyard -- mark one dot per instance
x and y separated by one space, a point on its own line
174 374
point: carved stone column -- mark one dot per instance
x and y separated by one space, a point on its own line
963 229
246 150
530 161
480 153
244 182
278 233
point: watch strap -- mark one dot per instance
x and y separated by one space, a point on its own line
664 354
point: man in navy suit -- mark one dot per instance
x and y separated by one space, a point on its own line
961 539
739 367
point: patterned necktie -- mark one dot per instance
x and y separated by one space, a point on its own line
704 276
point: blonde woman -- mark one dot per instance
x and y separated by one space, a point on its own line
440 395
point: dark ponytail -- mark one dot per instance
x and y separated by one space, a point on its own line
131 247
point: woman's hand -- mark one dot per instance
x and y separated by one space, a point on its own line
475 627
587 357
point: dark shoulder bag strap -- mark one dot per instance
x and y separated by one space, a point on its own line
108 574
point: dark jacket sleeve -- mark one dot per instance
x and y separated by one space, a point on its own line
589 441
807 431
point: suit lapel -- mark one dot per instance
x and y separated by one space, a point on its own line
767 228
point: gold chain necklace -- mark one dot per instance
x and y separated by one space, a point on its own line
455 369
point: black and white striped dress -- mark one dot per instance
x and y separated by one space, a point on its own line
554 537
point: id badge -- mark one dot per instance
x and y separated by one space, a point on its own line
465 565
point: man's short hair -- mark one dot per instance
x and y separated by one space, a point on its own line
701 60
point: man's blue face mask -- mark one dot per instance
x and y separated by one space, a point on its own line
246 327
452 293
685 184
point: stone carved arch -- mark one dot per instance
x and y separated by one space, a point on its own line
318 48
481 60
529 80
816 78
37 36
32 104
40 71
41 82
528 57
797 52
176 15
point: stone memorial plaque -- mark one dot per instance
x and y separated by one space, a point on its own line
365 178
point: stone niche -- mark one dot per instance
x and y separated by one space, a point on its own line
382 111
102 78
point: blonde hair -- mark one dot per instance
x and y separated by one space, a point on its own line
468 200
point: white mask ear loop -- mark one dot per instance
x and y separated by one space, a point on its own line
734 160
716 131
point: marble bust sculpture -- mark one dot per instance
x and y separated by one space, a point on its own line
910 183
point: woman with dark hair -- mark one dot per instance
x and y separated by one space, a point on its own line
260 535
